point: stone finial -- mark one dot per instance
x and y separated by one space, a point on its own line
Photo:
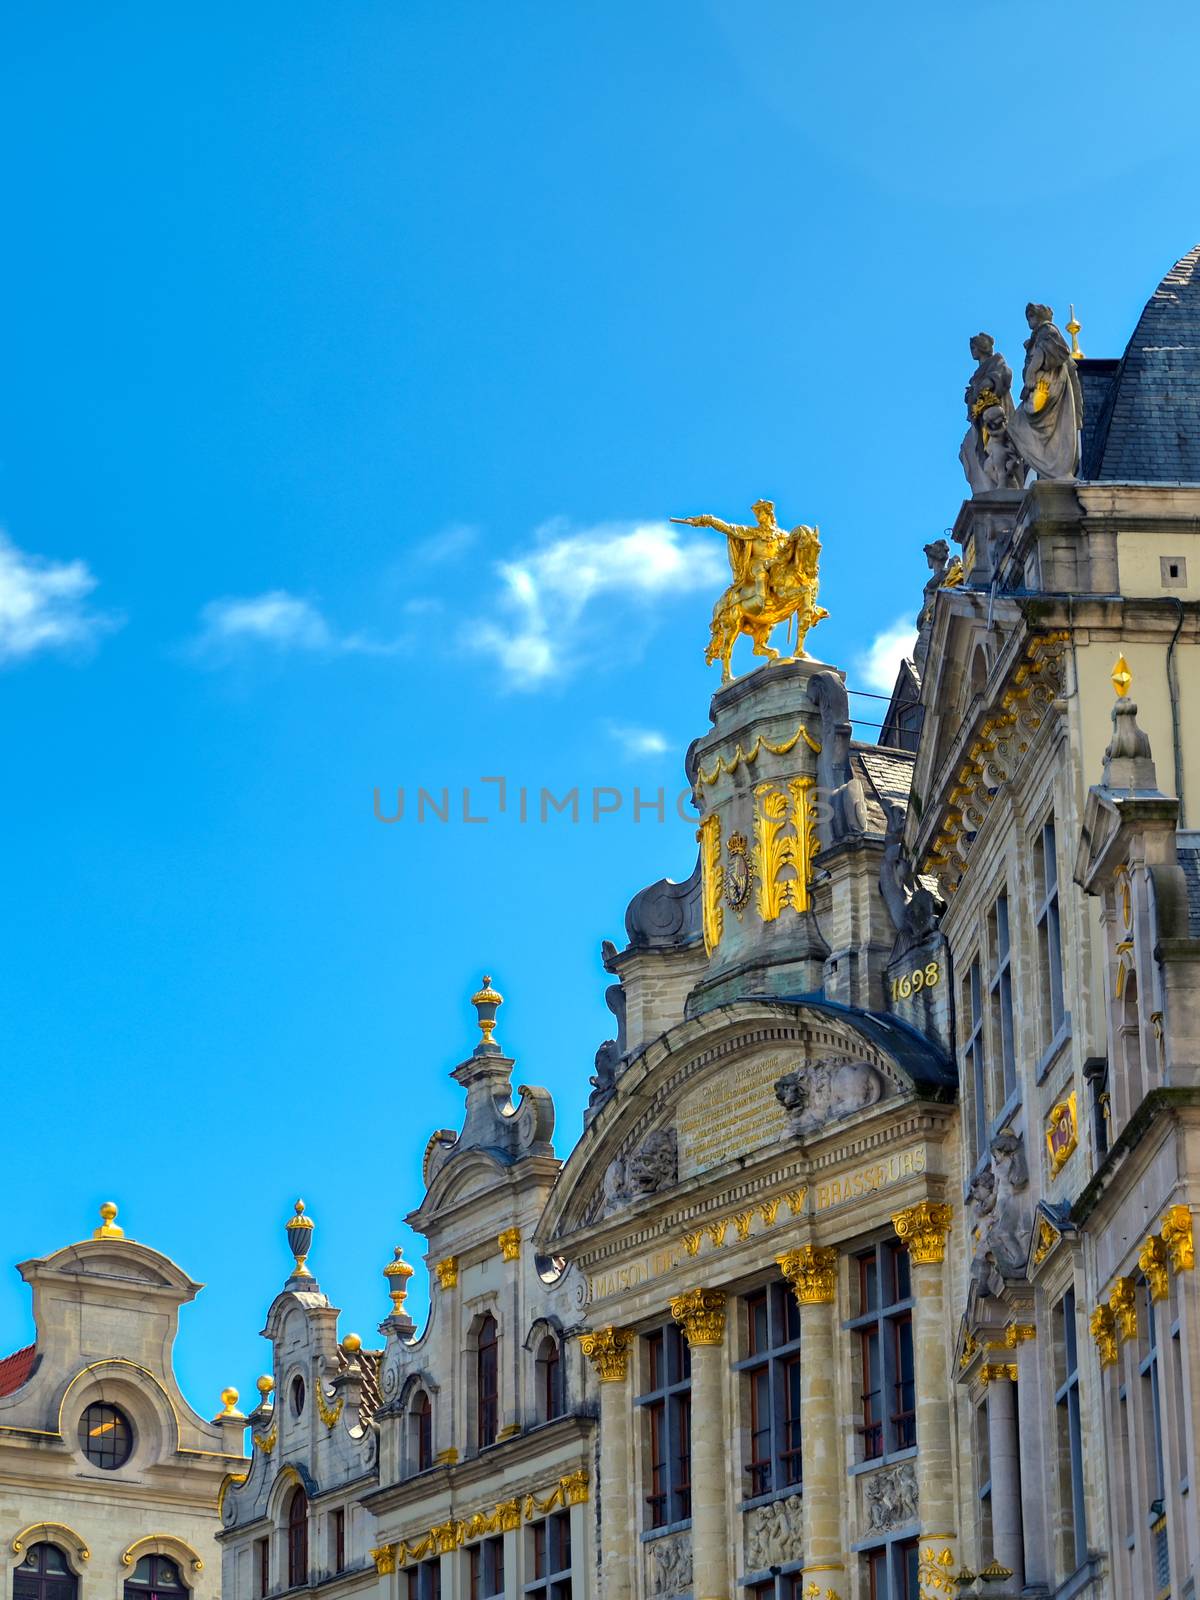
108 1228
299 1230
266 1387
1072 326
397 1273
229 1399
487 1001
1128 762
608 1351
1122 678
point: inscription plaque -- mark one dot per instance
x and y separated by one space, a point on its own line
734 1112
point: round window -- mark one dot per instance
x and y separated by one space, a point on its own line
297 1395
105 1436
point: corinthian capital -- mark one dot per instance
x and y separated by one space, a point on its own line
812 1273
701 1315
923 1228
608 1351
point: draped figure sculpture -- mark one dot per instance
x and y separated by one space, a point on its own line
1045 426
988 398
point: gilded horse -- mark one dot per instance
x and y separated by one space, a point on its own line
774 580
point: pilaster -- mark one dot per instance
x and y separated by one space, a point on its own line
701 1314
608 1351
812 1272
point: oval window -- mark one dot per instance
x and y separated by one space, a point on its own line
297 1395
105 1436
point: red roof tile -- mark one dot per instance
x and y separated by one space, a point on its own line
15 1369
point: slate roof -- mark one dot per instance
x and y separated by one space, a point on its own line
1189 860
369 1363
17 1368
886 778
1151 433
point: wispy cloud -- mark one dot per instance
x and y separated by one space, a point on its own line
43 605
879 663
551 593
278 621
639 741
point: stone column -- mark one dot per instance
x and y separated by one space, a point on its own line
608 1351
701 1314
812 1273
923 1228
1008 1546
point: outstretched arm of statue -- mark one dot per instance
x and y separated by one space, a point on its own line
731 529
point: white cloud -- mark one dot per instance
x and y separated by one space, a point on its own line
43 605
279 621
879 663
639 741
550 593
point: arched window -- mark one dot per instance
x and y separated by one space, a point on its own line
155 1578
297 1538
487 1381
420 1435
549 1380
44 1575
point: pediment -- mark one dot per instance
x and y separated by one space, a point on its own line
720 1090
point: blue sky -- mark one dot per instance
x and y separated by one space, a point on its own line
354 357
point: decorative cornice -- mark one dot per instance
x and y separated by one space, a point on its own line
608 1351
701 1314
56 1532
812 1272
924 1228
445 1537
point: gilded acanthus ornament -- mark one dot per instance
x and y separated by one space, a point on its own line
510 1244
1123 1302
774 580
1177 1236
812 1272
701 1314
1152 1259
923 1228
608 1351
447 1272
1103 1327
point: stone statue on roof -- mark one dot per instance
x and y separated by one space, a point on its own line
989 388
1045 426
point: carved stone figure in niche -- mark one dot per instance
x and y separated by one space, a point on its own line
989 387
997 1197
654 1165
825 1091
670 1562
913 908
774 1534
844 813
1045 426
891 1497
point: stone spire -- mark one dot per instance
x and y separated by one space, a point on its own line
1128 763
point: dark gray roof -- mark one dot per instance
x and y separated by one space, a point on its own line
887 780
1189 860
1151 433
929 1068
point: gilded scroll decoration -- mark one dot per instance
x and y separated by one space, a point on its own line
712 878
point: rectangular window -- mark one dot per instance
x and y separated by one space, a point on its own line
425 1580
887 1375
1001 997
892 1571
786 1586
666 1409
485 1562
339 1539
974 1062
262 1565
1049 931
1069 1429
550 1558
772 1368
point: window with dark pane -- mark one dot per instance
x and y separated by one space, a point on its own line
424 1580
772 1377
154 1577
665 1408
549 1380
550 1558
886 1372
44 1575
297 1538
420 1423
1049 931
105 1436
485 1568
892 1571
262 1567
339 1539
487 1381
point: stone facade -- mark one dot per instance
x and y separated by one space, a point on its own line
106 1472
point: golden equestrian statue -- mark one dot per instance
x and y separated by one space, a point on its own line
774 580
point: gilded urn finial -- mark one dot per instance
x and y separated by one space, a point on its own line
1122 678
229 1399
299 1231
398 1272
487 1001
265 1387
108 1228
1073 326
